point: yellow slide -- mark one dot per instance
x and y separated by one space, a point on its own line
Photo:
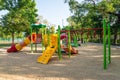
17 47
50 50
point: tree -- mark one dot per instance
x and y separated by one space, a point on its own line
42 20
90 13
112 10
78 11
1 4
21 13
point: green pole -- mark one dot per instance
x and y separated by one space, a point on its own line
109 44
104 43
31 40
75 40
42 39
69 43
59 47
48 37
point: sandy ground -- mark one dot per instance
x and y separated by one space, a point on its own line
87 65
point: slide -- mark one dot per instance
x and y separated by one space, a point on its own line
17 47
72 50
50 50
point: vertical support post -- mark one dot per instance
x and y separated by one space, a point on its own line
31 40
48 37
36 39
109 44
45 30
59 46
69 42
84 38
42 39
104 44
75 41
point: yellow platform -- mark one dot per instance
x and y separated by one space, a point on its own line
50 50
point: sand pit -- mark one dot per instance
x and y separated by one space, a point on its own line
87 65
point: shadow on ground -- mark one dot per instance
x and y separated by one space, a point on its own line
87 65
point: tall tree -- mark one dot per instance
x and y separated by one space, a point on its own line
93 11
112 9
42 20
21 13
78 11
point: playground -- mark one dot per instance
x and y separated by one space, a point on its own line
81 40
63 54
86 65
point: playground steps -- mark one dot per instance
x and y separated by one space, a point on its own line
46 55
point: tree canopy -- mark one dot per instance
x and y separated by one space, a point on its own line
90 13
21 13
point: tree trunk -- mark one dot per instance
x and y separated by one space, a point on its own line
115 39
12 37
115 36
100 38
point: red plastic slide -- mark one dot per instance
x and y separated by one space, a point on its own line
72 50
25 42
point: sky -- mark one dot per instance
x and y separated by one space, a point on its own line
55 11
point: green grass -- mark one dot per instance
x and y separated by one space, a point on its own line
4 45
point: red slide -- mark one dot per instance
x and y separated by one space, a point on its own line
72 50
17 47
12 49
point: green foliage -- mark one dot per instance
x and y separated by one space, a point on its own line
90 13
42 20
21 13
1 4
52 29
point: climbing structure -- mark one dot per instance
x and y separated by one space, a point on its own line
50 50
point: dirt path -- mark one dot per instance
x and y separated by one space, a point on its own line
87 65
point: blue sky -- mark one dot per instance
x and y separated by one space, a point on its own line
55 11
2 13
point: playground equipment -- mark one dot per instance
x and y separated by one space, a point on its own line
107 56
50 50
65 36
29 40
19 46
82 35
51 42
73 37
54 45
75 41
36 27
72 50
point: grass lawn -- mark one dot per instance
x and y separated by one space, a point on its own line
4 45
